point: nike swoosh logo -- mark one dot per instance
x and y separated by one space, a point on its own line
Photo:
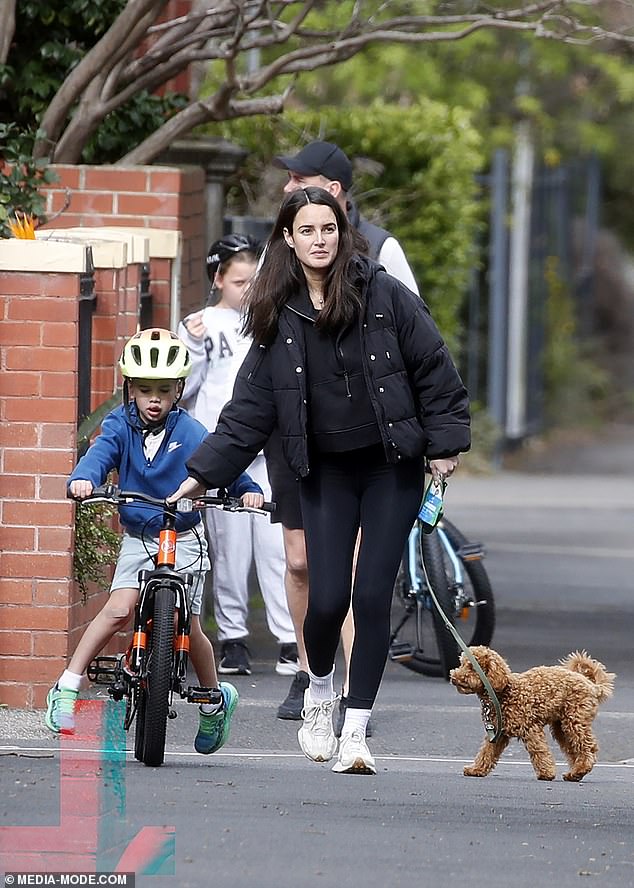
173 446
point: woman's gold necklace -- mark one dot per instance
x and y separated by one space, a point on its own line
318 301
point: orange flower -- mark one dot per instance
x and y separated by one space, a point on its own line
23 228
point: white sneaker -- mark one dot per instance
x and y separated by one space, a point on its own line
316 736
354 755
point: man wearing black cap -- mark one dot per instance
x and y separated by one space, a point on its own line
325 165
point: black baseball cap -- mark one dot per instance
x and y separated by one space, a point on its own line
320 159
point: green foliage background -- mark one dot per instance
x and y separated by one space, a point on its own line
580 99
414 172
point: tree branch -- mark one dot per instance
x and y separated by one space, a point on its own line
108 76
196 114
91 65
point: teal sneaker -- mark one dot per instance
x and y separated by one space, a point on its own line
60 710
213 730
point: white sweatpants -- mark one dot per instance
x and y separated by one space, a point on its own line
236 540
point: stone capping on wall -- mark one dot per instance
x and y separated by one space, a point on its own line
137 247
44 256
164 243
105 253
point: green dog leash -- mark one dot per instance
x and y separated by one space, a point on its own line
493 731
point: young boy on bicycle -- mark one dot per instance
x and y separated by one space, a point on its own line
148 440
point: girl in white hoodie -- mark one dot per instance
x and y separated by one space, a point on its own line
217 349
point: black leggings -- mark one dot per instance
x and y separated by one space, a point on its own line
346 491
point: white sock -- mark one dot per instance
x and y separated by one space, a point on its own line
356 720
69 680
210 708
321 687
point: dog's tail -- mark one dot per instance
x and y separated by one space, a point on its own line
582 662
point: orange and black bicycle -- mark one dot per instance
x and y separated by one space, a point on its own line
154 668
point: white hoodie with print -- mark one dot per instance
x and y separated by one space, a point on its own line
235 539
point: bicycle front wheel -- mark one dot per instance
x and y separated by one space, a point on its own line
433 556
158 681
475 623
420 640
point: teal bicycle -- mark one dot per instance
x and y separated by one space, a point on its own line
452 565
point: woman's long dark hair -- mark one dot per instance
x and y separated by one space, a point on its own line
281 274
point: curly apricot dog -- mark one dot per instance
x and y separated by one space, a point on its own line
566 697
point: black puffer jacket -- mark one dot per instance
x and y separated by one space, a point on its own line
420 402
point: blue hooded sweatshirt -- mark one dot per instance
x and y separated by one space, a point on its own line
120 447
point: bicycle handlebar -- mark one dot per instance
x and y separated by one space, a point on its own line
110 493
230 503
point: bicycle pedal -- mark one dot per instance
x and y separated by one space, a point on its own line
471 552
401 652
102 670
203 695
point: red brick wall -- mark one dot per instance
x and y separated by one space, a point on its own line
42 614
38 416
149 197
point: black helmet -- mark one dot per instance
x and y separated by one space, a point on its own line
222 250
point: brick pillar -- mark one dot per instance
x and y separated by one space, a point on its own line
38 422
153 197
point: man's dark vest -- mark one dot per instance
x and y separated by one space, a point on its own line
374 235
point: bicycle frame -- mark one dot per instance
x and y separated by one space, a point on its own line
154 667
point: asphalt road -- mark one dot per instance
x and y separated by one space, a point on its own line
260 815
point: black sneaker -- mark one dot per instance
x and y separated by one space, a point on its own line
234 658
288 660
292 707
339 716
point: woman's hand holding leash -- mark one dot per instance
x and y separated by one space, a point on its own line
441 469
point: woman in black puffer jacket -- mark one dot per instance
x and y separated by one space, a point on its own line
351 368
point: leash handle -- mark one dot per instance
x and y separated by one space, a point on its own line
493 733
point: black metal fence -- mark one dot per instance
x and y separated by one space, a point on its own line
563 220
87 303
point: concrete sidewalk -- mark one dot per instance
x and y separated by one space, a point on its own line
589 471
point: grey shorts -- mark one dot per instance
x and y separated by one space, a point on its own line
191 557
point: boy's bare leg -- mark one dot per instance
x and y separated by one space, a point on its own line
201 654
296 584
112 618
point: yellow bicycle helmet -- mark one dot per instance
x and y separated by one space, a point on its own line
155 354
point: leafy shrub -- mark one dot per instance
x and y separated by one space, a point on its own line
96 545
20 177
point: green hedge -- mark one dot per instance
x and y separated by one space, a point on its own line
415 173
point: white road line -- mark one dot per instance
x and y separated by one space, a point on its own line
255 754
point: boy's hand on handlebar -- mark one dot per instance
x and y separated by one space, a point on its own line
80 489
189 489
252 500
443 468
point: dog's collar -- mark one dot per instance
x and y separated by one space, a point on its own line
488 715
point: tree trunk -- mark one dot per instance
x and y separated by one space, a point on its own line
7 28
